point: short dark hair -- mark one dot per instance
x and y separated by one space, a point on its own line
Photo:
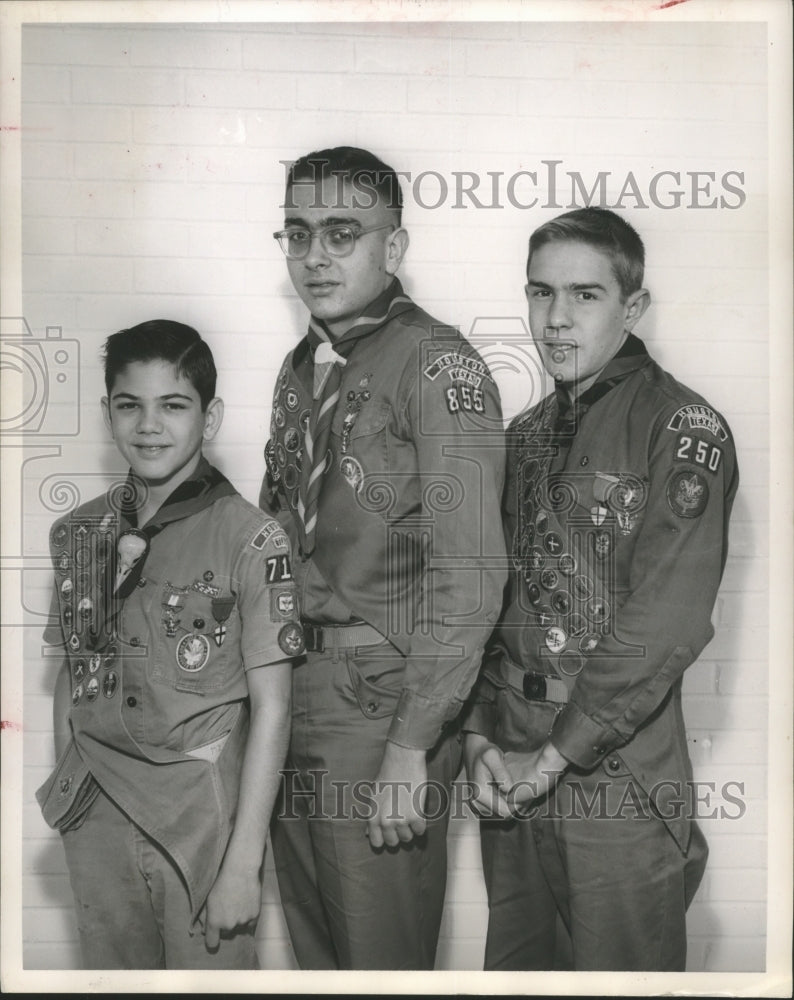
163 340
604 230
349 163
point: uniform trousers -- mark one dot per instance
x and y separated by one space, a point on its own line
596 853
347 905
132 906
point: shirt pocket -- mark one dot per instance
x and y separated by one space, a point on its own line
198 638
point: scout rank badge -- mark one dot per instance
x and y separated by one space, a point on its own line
354 402
221 609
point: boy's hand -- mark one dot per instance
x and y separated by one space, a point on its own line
234 901
486 771
400 791
533 774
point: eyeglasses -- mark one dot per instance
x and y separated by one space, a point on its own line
337 241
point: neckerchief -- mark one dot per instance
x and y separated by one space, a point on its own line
546 436
322 368
205 486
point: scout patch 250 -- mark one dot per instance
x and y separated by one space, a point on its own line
466 375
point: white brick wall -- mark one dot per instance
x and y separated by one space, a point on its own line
151 184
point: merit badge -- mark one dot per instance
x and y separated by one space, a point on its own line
192 652
556 639
597 611
571 663
352 472
281 455
545 617
270 461
548 579
536 559
291 399
93 663
131 547
77 694
577 625
67 616
303 420
292 439
280 417
290 639
533 592
109 684
85 607
59 535
588 642
63 563
567 564
79 670
67 587
583 587
74 641
561 602
290 481
687 494
542 522
552 543
92 688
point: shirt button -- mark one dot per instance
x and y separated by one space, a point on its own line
372 707
132 701
613 764
198 623
135 641
584 460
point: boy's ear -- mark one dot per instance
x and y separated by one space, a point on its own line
105 404
396 246
213 418
636 304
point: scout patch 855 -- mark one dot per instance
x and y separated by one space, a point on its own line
466 375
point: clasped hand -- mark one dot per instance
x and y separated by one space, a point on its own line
504 783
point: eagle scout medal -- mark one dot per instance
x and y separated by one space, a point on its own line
598 513
290 639
353 404
192 652
172 603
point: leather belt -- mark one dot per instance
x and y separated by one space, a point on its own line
534 687
321 637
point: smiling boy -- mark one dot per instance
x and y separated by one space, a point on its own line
620 487
177 614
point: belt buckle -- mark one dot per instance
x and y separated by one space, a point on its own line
313 636
534 687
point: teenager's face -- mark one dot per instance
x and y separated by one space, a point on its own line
577 314
338 289
158 425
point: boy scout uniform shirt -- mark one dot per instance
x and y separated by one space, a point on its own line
408 534
618 520
158 686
